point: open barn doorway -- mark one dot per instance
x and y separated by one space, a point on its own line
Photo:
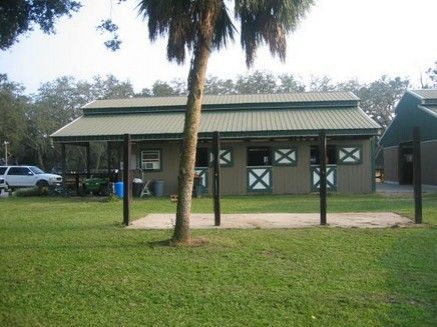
406 163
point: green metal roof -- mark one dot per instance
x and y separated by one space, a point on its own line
416 108
432 108
426 94
232 124
426 97
233 99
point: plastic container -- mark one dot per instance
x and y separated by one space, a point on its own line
158 188
119 189
137 187
197 187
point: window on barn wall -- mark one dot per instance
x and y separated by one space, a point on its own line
259 156
331 155
350 154
202 157
151 159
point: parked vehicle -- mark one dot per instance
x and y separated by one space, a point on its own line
97 186
2 184
27 176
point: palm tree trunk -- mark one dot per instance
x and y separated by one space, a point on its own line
196 83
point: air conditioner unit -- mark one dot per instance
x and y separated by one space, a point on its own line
151 165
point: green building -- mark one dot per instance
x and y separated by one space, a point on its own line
416 108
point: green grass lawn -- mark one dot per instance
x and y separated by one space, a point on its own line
69 262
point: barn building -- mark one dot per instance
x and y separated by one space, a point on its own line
416 108
268 141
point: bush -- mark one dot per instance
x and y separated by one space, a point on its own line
33 191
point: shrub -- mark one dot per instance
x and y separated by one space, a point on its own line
33 191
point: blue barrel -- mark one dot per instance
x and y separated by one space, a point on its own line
119 189
158 188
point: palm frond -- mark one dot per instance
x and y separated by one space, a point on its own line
267 22
181 20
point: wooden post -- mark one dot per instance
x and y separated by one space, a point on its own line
108 157
126 179
63 163
108 163
216 179
417 176
76 182
119 153
373 163
88 161
322 155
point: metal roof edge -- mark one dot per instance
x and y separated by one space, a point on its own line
424 100
354 95
405 96
73 121
352 98
88 104
224 108
369 118
224 135
387 131
414 94
428 111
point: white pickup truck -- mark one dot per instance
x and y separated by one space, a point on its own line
26 176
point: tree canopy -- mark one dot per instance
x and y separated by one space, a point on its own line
18 17
431 74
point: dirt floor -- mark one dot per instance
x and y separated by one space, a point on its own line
277 220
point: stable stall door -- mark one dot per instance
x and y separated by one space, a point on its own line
259 169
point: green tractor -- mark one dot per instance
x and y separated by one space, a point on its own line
96 186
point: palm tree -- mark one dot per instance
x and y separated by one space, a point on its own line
200 26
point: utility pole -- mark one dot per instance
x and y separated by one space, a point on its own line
6 151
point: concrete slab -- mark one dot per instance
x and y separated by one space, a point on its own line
276 220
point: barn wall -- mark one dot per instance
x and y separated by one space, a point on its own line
429 162
391 164
356 178
169 162
286 179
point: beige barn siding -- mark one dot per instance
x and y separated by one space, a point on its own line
286 179
169 173
429 162
294 179
356 178
391 164
233 179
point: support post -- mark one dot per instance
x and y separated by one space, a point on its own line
108 157
76 182
417 176
63 163
126 179
88 161
322 154
373 163
216 179
119 153
108 164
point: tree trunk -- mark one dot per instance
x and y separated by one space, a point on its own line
196 83
40 159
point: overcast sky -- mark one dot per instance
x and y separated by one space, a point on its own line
344 39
